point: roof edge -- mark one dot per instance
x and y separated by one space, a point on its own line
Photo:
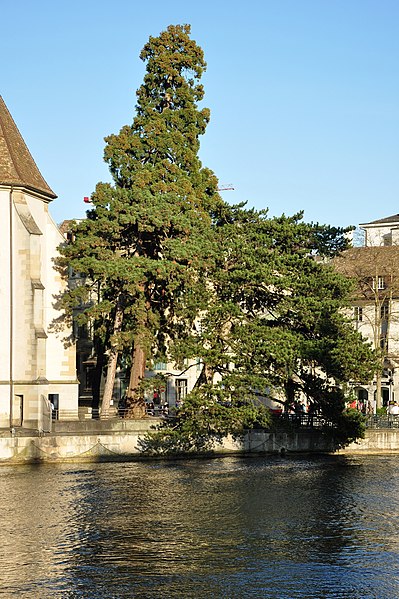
389 220
30 188
18 165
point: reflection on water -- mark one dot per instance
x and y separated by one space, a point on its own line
230 528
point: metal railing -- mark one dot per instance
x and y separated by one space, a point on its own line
371 421
120 413
383 421
303 420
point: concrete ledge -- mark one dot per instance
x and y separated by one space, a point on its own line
93 441
121 442
376 441
109 426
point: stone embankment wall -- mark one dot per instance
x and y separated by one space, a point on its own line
92 441
376 441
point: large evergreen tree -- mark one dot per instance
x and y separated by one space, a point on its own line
145 239
275 309
175 272
274 326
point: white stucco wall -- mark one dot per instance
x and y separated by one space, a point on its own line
4 306
367 328
43 362
381 234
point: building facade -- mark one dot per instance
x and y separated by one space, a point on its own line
37 352
375 311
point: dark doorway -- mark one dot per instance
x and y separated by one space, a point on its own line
54 399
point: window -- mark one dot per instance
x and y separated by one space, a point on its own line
380 283
358 313
181 389
387 239
160 366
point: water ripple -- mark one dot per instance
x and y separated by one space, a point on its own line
262 528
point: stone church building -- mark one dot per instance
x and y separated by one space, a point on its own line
37 352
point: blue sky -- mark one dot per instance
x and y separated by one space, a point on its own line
304 96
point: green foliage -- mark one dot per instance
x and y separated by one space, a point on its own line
250 296
349 427
202 422
330 241
145 239
274 320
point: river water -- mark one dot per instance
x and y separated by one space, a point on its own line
268 527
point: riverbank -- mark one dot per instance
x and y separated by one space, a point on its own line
375 442
118 440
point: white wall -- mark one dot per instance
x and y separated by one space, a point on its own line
42 360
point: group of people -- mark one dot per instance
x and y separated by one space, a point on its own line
365 407
160 409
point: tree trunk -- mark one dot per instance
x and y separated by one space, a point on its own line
378 394
135 404
377 343
112 362
205 376
97 374
109 383
290 392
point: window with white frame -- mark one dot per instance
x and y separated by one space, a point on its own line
358 313
181 389
160 366
378 283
